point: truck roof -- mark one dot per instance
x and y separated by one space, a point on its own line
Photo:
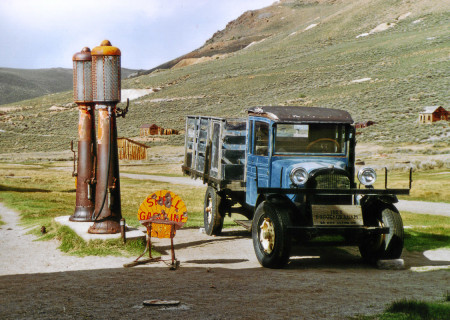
302 114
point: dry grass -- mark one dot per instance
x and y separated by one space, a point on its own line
406 63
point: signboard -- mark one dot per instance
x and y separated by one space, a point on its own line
166 208
337 215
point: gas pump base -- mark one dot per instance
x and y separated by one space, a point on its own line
105 227
82 214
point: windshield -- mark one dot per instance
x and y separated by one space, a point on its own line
309 138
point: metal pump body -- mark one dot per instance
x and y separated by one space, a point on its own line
82 92
106 95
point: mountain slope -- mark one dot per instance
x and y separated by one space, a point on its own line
381 61
21 84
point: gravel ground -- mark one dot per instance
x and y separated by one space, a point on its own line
219 278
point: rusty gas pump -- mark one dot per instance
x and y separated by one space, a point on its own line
106 94
82 93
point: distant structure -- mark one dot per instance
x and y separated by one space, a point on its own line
150 129
364 124
433 114
131 150
155 130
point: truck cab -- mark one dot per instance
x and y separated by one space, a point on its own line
286 147
291 172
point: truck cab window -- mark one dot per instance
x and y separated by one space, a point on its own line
309 138
261 138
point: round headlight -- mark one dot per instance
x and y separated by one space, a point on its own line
367 176
298 176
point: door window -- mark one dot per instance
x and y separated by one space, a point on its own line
261 139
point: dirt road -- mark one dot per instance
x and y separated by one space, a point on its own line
219 278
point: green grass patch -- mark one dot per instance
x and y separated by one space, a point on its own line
427 185
413 310
72 243
421 310
40 193
426 232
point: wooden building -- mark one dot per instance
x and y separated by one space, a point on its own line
151 130
154 130
364 124
131 150
145 130
433 114
168 132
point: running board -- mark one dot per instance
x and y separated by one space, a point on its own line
247 224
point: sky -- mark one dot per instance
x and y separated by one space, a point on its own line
38 34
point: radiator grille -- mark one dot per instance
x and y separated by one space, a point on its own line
332 181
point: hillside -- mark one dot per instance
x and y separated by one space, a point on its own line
21 84
381 61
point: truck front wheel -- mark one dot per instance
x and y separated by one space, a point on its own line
271 239
385 246
212 215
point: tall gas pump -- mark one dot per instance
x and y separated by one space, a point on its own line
82 93
106 94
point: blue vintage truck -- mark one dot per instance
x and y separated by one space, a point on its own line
291 172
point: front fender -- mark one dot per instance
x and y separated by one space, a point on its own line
369 200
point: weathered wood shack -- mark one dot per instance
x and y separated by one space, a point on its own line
155 130
169 132
433 114
151 130
364 124
145 130
131 150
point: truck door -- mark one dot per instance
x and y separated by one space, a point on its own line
258 154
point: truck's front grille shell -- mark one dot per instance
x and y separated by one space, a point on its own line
331 180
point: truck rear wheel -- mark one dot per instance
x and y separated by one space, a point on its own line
212 215
271 239
385 246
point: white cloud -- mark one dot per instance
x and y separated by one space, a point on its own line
46 33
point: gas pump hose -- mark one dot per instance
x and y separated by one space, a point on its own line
95 217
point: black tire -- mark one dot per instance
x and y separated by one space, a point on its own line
272 248
386 246
212 215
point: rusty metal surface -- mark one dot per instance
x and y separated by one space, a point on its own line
82 93
105 227
107 205
106 73
106 79
82 76
302 114
106 49
158 302
83 55
149 225
85 195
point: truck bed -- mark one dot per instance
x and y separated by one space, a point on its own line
215 150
